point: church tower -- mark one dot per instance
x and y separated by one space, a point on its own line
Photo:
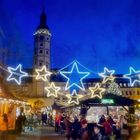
42 38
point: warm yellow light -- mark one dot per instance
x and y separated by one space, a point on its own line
42 74
96 91
51 88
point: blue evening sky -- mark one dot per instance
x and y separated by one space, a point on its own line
97 33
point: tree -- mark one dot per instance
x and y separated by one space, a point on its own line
114 88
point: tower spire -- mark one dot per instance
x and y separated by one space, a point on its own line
43 19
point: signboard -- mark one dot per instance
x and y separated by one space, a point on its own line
107 101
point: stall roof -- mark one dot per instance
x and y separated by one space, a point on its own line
110 100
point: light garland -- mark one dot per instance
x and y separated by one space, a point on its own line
133 76
74 72
16 74
42 74
74 97
107 75
96 91
52 90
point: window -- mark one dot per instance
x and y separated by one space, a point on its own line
40 64
138 92
47 52
126 93
41 51
41 38
35 50
130 93
41 44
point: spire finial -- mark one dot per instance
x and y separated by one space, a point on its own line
43 17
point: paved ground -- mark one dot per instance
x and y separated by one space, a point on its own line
42 133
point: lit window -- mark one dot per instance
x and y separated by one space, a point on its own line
138 92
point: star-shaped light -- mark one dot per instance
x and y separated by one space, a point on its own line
42 73
74 77
133 76
16 74
52 90
107 75
96 91
74 98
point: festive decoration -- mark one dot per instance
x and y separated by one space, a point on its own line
96 91
107 75
114 88
52 90
16 74
74 77
133 76
42 73
73 98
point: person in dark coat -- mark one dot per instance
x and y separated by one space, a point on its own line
19 124
76 126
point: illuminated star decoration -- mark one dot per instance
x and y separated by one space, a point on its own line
74 77
16 74
107 75
42 73
133 76
52 90
73 97
96 91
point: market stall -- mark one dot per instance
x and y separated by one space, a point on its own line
9 105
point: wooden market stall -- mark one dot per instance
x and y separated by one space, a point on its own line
8 104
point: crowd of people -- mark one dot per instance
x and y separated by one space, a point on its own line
108 128
77 127
31 121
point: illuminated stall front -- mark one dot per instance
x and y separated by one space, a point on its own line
9 105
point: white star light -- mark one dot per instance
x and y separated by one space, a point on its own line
42 73
74 98
133 76
52 90
74 70
107 75
16 74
